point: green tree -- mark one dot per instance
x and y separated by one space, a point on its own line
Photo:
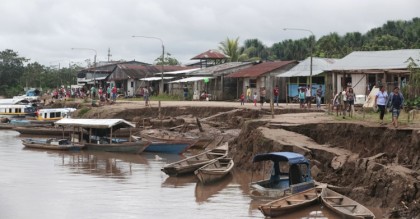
384 42
254 49
230 48
11 70
168 60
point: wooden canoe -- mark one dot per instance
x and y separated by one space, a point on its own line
290 203
51 144
215 170
135 147
190 164
344 206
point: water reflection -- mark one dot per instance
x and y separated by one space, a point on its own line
102 164
204 192
179 181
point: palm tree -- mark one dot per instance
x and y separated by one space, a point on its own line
230 48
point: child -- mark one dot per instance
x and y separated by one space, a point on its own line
242 99
255 98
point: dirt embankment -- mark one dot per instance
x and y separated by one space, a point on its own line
376 166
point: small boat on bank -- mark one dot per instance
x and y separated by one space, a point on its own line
344 206
290 173
215 170
190 164
290 203
51 144
162 142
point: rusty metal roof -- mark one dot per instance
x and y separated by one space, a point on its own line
260 69
138 71
224 68
211 54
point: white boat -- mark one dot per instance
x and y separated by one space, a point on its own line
54 114
16 110
215 170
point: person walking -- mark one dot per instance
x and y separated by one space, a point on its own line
248 94
396 103
242 99
381 99
262 96
308 96
146 96
318 97
185 92
350 101
114 93
344 102
276 95
255 98
302 98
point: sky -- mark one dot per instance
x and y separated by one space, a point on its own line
45 30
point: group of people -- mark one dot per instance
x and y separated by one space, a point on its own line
305 96
253 97
394 102
344 102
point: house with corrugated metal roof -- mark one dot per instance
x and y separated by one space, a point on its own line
214 81
361 70
299 76
210 58
262 74
127 78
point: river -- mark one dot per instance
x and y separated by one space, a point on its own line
50 184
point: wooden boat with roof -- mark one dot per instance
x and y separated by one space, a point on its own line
101 135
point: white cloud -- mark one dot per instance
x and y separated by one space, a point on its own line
45 30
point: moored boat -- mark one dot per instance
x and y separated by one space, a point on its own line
190 164
290 203
289 174
215 170
163 142
344 206
101 134
51 144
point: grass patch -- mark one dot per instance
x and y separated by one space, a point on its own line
373 117
83 111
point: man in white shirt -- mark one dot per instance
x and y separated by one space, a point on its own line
308 95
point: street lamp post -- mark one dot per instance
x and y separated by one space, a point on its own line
163 58
94 62
312 48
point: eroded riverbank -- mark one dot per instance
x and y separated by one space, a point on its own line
376 166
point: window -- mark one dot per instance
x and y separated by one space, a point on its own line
253 83
132 84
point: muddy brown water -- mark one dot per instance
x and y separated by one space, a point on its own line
50 184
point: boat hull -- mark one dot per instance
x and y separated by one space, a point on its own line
344 206
168 147
215 170
126 147
290 203
190 164
42 144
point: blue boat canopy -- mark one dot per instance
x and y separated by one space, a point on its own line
290 157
